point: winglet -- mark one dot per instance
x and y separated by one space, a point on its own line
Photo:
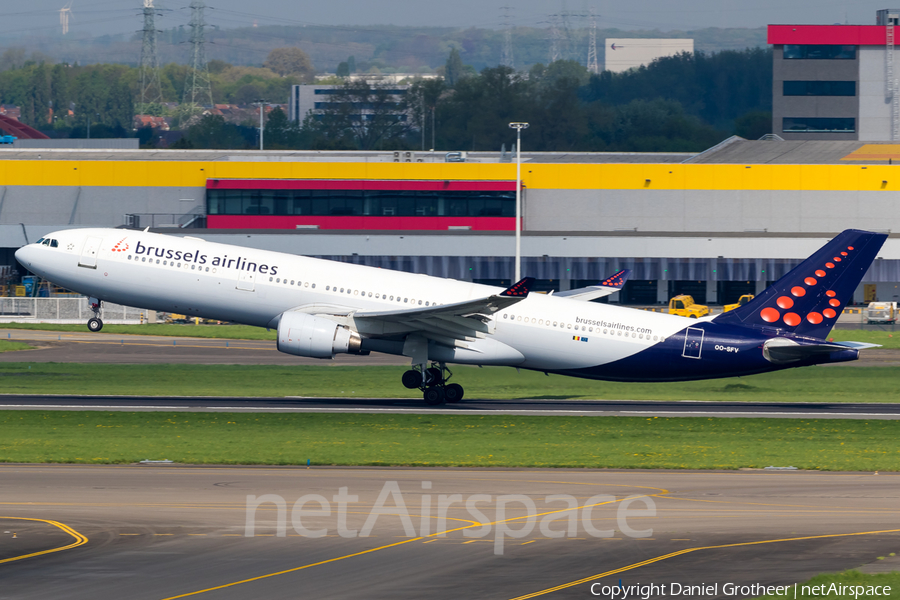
519 289
616 280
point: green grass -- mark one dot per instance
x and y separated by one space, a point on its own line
7 346
448 440
810 384
234 332
854 578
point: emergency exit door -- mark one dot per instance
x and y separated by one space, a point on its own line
89 253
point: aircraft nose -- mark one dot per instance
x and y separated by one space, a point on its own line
25 255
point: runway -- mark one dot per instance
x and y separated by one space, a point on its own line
159 533
110 348
586 408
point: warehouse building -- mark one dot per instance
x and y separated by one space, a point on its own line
836 82
716 225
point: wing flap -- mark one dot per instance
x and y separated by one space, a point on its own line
450 323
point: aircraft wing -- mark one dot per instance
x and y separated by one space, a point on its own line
448 324
610 285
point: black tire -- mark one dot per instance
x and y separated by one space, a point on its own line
434 396
433 376
453 393
693 316
411 379
95 325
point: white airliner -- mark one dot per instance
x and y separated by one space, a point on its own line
321 308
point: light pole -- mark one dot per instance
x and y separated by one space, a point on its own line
518 127
261 125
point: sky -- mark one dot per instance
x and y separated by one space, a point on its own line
99 17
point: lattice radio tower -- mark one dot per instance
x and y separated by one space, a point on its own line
197 89
592 65
506 53
566 33
151 89
555 39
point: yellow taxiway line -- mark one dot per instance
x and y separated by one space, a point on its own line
80 540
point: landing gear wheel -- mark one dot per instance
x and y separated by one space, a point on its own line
453 392
95 325
433 376
434 396
411 379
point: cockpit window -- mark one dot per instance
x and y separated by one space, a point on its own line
39 241
46 242
49 242
54 244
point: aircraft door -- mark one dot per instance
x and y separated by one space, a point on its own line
89 253
246 281
693 343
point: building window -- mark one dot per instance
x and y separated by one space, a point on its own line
819 125
817 51
819 88
375 203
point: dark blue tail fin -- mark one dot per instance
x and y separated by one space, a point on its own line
808 300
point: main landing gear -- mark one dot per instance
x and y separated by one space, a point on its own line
95 324
433 383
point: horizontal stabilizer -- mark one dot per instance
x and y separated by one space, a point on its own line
782 350
858 345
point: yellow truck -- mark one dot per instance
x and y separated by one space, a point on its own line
741 301
684 306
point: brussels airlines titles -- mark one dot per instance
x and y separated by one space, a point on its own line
239 263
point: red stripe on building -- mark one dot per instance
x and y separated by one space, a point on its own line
855 35
360 222
360 184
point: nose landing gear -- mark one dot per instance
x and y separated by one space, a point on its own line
95 324
433 383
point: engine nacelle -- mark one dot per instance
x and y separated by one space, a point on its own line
301 334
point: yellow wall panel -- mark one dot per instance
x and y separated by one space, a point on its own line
874 178
628 176
756 177
784 177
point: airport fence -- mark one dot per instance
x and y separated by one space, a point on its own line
68 310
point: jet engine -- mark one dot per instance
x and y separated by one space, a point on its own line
301 334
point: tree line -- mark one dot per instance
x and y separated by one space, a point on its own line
62 98
687 102
683 103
